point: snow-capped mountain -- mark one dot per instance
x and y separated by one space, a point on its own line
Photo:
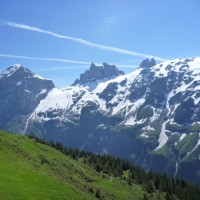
20 92
150 116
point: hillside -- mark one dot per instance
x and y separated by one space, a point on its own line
150 117
31 170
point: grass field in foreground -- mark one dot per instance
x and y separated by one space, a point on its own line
30 170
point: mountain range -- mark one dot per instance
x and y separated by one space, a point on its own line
150 117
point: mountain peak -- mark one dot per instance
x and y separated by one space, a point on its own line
147 63
19 71
21 91
15 66
98 73
11 70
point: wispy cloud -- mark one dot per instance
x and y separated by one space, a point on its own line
83 64
84 42
60 68
45 59
127 66
78 67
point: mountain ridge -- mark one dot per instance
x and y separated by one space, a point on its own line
151 113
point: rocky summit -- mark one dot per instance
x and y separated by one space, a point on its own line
20 92
97 74
147 63
150 117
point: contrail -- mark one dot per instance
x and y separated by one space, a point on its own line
45 59
59 68
61 60
77 67
82 41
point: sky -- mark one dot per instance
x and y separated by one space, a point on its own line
58 39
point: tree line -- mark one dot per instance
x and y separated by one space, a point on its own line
173 187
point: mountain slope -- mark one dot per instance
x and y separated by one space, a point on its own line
32 170
150 117
153 112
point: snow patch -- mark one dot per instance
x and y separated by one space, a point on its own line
42 92
163 137
144 135
182 136
28 91
130 122
155 116
149 128
39 77
19 83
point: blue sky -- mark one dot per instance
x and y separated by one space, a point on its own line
61 38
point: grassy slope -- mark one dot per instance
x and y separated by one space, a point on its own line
24 176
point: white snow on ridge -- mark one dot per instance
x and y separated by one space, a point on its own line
176 65
119 97
56 99
64 99
8 72
195 65
39 77
11 70
160 69
129 77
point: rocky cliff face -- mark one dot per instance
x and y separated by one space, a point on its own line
147 63
150 116
97 74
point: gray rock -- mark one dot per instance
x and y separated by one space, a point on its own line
97 73
20 92
147 63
